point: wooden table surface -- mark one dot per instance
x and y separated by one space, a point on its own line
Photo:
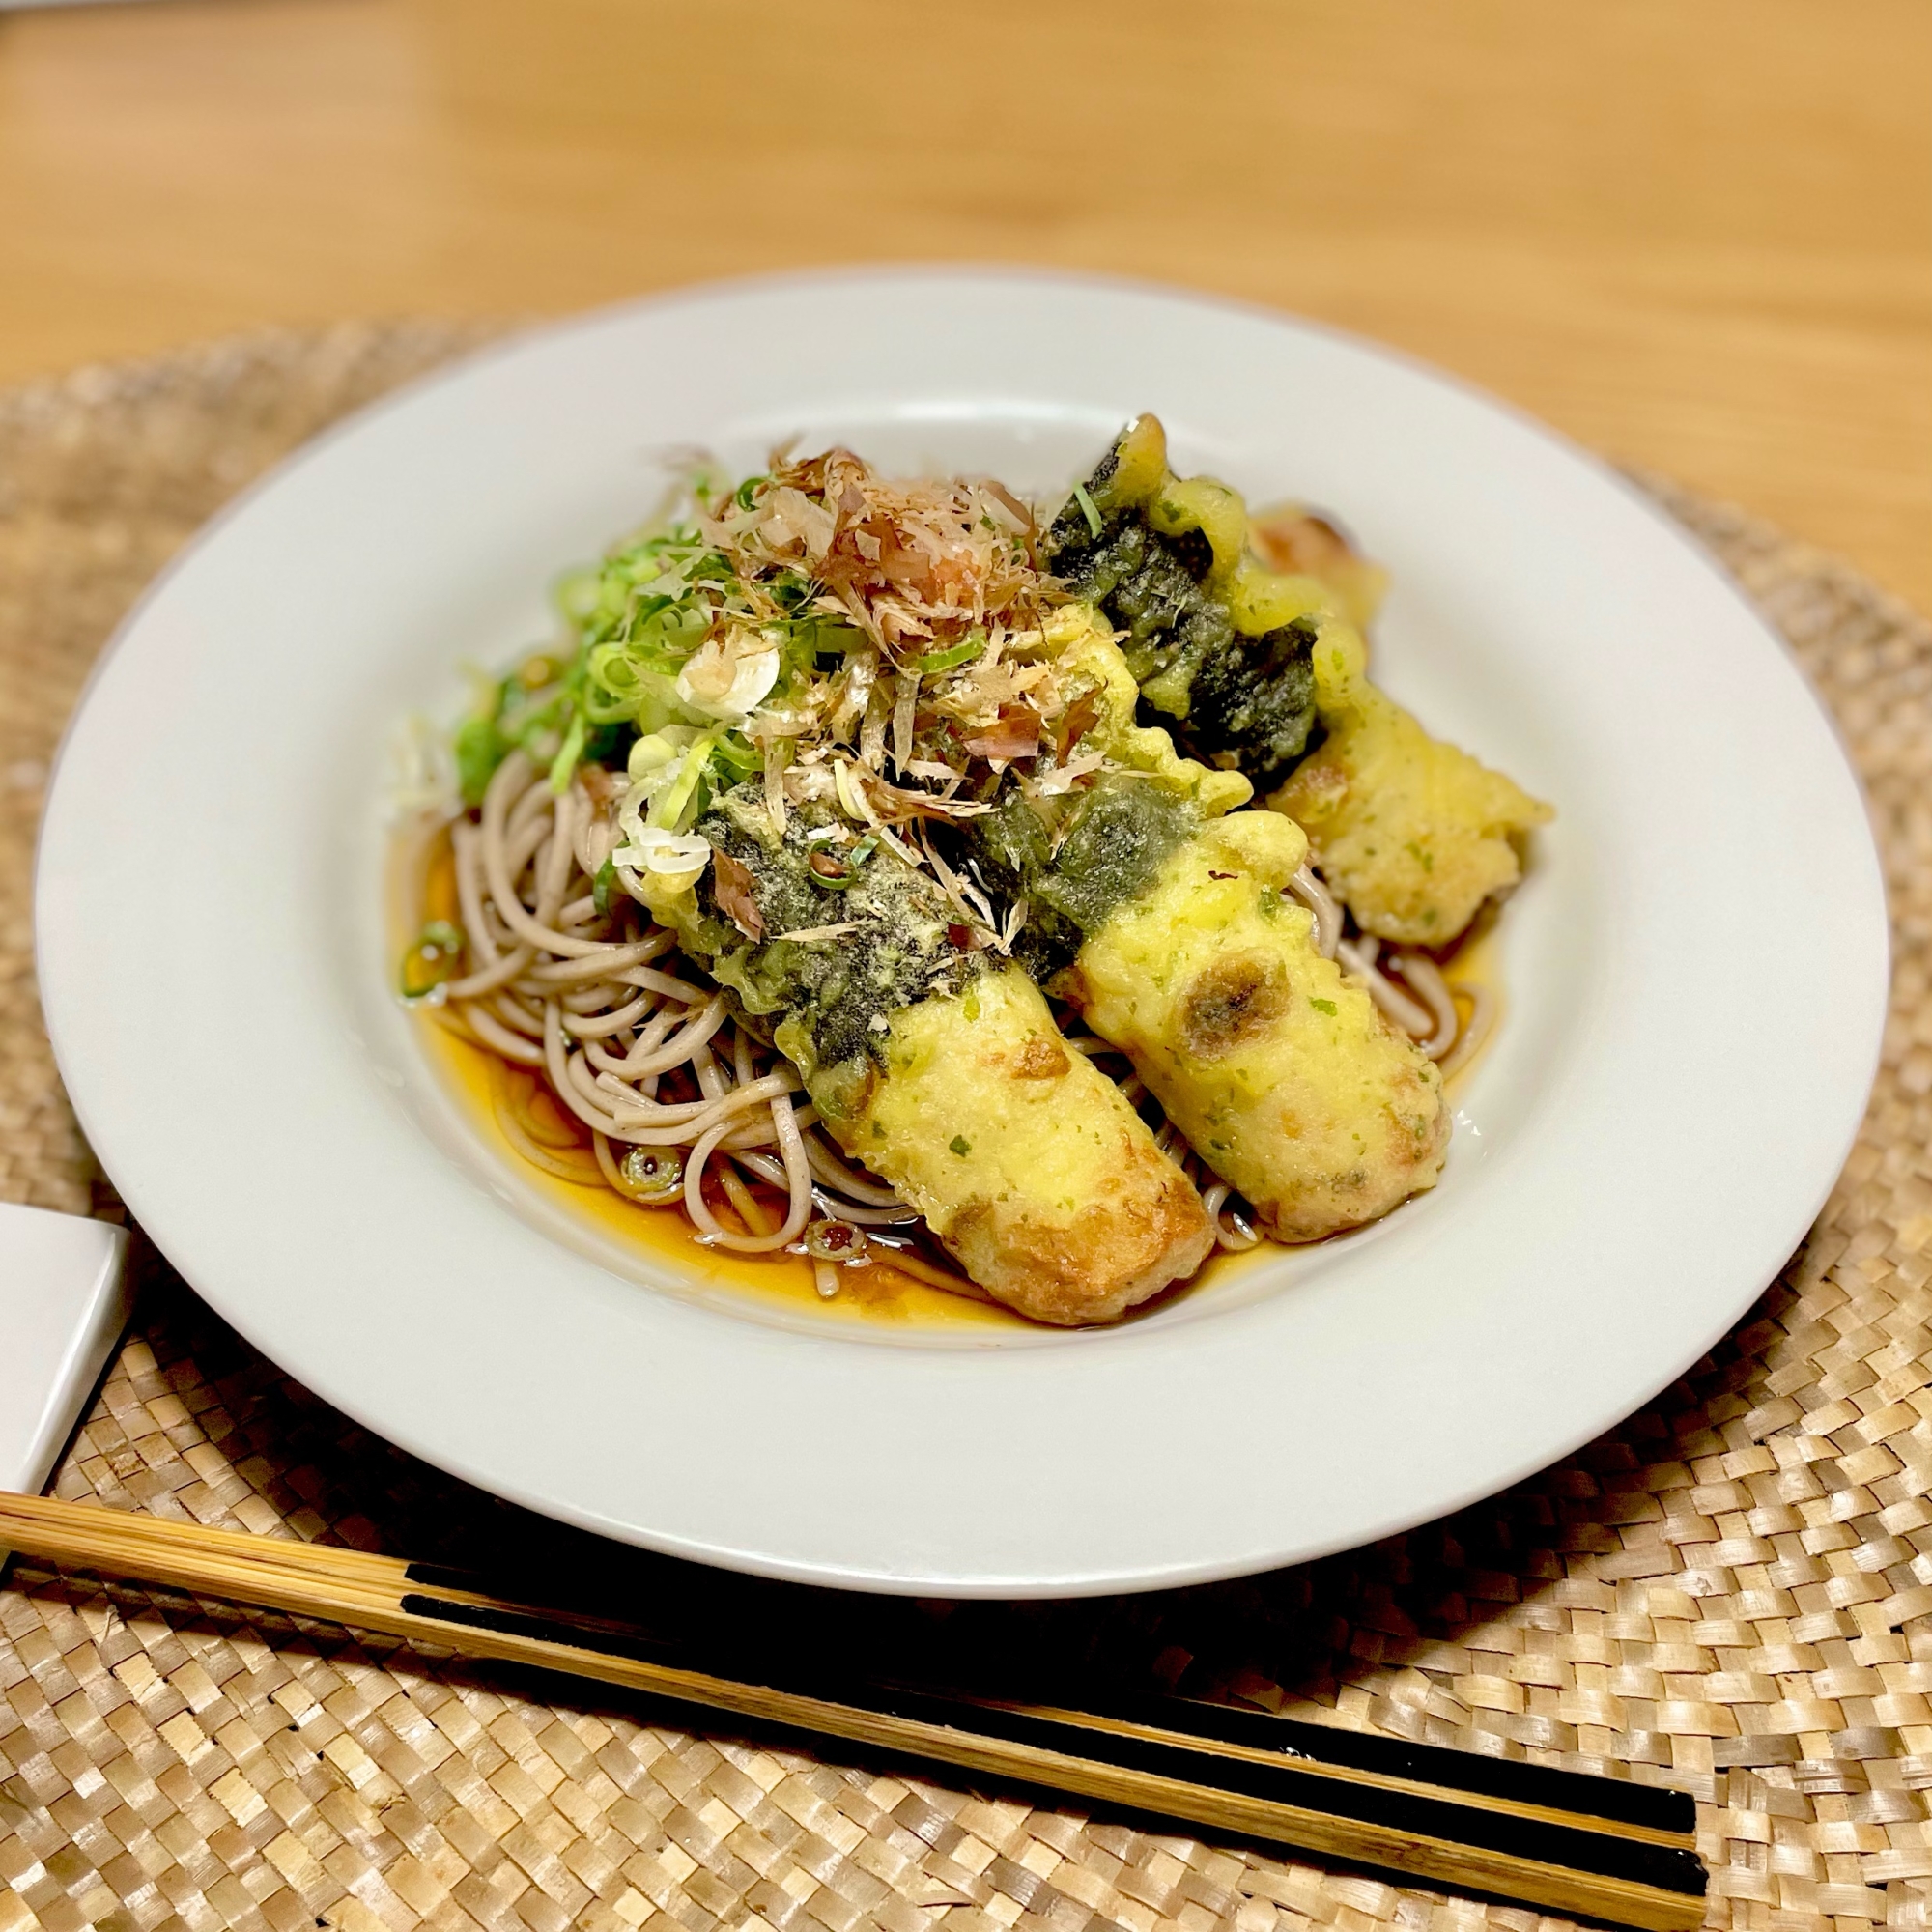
1694 232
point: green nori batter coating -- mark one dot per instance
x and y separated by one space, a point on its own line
1075 864
831 988
1246 703
1253 705
1148 585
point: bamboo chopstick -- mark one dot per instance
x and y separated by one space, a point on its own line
1598 1848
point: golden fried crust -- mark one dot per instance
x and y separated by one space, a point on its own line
1294 541
1280 1071
1024 1158
1413 834
1147 1230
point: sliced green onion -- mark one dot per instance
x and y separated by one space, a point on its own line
954 654
854 860
480 748
837 1241
604 884
575 595
678 804
1087 508
652 1176
567 754
432 960
736 757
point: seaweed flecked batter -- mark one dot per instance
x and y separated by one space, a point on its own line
837 995
1277 1067
1166 568
941 1070
1163 920
1025 1159
1260 669
1412 832
1106 848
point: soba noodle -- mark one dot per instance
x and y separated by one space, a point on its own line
585 1013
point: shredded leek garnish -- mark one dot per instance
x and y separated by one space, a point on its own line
949 659
432 960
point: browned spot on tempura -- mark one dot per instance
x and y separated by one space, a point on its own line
1235 1001
1041 1058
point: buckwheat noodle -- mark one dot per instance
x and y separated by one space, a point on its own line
585 1012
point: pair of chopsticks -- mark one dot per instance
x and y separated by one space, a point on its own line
1598 1848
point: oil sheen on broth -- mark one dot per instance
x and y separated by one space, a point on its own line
421 889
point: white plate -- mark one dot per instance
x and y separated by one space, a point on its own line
1695 969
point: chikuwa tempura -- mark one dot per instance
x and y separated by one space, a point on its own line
873 871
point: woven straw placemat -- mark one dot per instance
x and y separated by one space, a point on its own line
1731 1593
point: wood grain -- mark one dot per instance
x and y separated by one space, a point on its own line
1697 236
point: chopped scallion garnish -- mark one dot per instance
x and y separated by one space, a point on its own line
567 754
950 658
432 960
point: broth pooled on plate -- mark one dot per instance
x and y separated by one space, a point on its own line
874 870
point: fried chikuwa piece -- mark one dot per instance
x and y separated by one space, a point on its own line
941 1069
1161 915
